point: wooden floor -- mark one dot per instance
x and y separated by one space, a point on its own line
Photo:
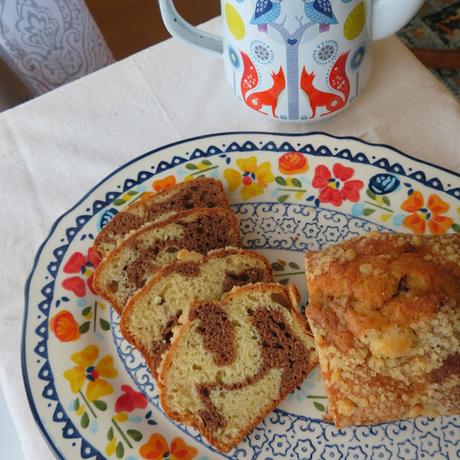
132 25
12 90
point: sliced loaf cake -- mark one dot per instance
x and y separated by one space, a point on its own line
198 193
162 304
235 360
132 262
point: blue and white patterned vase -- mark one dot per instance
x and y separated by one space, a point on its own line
48 43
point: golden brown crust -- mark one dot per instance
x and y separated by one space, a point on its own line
385 312
165 271
148 209
194 421
233 238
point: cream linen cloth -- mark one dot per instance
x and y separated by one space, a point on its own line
55 148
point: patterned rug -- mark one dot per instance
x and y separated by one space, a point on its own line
437 25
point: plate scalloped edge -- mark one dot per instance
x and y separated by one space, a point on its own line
397 168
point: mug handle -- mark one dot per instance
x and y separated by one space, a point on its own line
178 27
389 16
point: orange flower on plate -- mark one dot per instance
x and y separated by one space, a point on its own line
293 163
156 448
431 215
163 184
64 326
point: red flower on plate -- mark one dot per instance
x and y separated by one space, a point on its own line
130 400
84 266
336 187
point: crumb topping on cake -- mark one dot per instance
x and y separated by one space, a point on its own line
386 321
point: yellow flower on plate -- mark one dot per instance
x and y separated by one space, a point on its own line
87 370
233 178
110 447
253 178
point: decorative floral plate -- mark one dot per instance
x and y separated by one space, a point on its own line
90 391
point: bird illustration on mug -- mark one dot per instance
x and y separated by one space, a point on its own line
266 12
320 12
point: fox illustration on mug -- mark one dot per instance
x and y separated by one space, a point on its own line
258 99
297 60
338 81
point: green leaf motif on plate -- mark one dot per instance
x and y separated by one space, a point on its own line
105 325
134 434
277 267
371 195
120 450
283 198
191 167
84 420
296 182
101 405
319 406
84 328
110 434
280 180
86 311
368 212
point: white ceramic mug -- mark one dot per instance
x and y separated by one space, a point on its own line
297 59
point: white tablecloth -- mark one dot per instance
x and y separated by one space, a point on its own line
55 148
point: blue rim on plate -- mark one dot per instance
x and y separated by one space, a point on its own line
359 158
